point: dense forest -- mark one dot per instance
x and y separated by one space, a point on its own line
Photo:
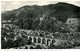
54 16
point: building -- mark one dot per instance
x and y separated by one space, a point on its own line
73 23
6 22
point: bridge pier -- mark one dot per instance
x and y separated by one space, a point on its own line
32 39
36 39
50 41
41 40
46 41
28 37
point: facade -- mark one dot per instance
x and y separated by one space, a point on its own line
73 24
6 22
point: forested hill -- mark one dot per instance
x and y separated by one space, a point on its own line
52 14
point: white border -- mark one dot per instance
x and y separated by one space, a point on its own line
34 49
39 0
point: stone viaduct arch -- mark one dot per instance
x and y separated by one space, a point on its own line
40 40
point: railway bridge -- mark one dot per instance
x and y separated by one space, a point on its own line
40 40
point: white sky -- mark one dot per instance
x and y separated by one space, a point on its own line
10 5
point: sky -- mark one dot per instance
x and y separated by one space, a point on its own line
11 5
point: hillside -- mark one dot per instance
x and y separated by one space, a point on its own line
53 16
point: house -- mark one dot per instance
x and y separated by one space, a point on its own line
73 23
